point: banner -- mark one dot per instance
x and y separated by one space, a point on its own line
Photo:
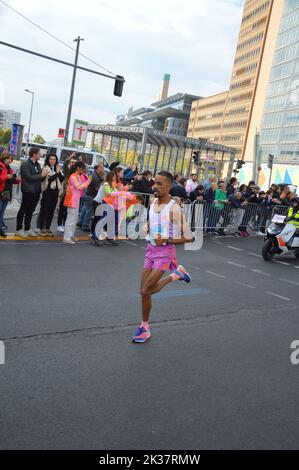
80 132
15 146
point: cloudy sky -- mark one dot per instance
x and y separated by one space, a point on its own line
194 41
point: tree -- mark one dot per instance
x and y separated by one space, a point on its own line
5 136
38 139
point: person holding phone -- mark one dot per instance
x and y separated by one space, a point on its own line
52 187
72 201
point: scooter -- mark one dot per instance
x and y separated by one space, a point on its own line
280 238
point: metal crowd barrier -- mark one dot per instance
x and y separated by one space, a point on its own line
225 218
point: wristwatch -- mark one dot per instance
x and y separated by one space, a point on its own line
166 243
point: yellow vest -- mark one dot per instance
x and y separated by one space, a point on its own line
295 217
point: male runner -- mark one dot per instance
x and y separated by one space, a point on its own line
167 227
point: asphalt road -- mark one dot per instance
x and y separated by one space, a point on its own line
216 373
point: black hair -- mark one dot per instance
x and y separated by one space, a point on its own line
47 160
167 175
33 151
76 166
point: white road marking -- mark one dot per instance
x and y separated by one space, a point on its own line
234 248
195 267
281 262
246 285
255 254
216 274
296 267
290 282
130 243
258 271
279 296
237 264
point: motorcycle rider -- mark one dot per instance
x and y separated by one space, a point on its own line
293 214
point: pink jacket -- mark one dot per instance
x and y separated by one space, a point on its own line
73 193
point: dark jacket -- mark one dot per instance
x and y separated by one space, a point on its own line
236 203
178 191
230 189
210 195
142 186
31 177
94 186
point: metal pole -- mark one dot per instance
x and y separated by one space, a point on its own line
69 114
30 119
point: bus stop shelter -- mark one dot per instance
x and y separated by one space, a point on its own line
157 150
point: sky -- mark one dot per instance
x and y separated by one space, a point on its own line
194 41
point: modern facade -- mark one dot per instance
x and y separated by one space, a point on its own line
206 117
8 117
279 134
233 117
170 114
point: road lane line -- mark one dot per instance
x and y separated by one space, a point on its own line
290 282
130 243
296 267
246 285
237 264
279 296
255 254
258 271
195 267
234 248
282 262
216 274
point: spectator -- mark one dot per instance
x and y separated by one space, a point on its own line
208 183
51 190
249 191
67 169
192 183
7 180
72 200
179 190
176 179
232 186
31 178
220 208
286 196
142 184
129 174
106 189
197 194
98 178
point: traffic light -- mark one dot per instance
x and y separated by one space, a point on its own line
119 85
270 161
240 163
196 157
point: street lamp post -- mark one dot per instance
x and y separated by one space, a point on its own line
30 119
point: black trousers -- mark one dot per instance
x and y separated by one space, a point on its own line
48 206
28 206
62 214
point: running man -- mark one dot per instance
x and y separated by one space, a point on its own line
167 227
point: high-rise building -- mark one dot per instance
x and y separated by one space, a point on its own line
206 117
238 113
8 117
279 133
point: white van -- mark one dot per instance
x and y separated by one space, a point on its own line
88 156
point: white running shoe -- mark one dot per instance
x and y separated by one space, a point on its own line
60 229
69 242
31 234
20 233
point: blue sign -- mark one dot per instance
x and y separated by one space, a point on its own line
16 140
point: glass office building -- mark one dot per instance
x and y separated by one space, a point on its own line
280 123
